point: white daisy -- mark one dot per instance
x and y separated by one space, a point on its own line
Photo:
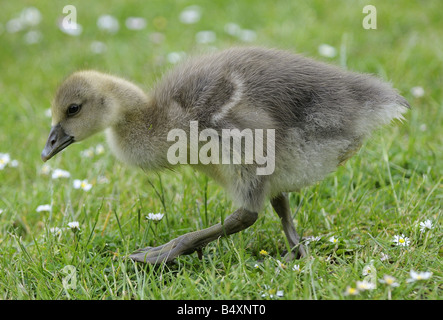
310 239
99 149
88 153
15 25
296 267
31 16
4 160
56 231
43 207
45 169
368 269
13 164
417 92
59 173
270 292
365 285
333 239
426 225
155 216
401 240
74 225
327 51
384 256
108 23
82 184
351 291
135 23
418 276
190 15
389 280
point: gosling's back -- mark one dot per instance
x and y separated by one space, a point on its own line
320 113
295 90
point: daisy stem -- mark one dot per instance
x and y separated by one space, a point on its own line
426 239
145 234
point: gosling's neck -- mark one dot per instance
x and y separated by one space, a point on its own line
122 95
137 128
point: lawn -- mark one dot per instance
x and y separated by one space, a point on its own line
390 190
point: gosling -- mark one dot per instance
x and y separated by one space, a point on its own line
291 121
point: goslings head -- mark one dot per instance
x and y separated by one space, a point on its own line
78 111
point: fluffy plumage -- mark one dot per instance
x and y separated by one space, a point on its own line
321 115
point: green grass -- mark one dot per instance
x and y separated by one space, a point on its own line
387 189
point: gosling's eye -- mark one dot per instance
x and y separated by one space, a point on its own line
74 109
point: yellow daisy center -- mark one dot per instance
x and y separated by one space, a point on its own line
352 291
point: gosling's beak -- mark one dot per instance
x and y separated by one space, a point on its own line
57 141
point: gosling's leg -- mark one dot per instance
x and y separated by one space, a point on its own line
282 208
190 242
